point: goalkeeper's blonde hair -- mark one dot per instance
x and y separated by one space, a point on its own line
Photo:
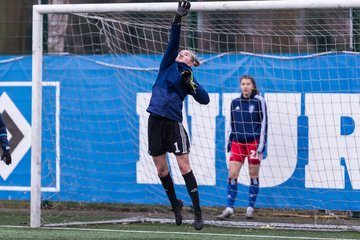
194 59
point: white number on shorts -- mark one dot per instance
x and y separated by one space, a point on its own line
254 154
177 150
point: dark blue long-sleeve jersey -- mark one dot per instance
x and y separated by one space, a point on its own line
169 90
249 120
3 135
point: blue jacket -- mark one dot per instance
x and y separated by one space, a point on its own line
169 90
249 120
3 135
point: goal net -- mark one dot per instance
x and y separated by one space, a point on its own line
98 69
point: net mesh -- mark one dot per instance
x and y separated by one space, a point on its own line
305 64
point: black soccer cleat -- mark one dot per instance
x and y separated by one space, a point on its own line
198 221
177 212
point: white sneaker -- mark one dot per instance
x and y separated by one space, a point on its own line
227 213
250 213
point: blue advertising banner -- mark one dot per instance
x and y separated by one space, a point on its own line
95 138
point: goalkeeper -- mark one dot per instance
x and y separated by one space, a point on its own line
6 157
166 133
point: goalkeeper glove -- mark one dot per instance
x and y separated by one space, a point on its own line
188 78
182 11
6 157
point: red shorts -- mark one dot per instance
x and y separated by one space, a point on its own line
240 151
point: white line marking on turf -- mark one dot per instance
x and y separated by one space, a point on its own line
179 233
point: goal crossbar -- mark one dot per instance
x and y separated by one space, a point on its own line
195 6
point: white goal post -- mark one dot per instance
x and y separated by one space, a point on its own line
37 56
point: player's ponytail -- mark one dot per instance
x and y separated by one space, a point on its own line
196 62
194 59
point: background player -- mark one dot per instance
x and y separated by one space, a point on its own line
247 140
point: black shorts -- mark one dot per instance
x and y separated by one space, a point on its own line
166 135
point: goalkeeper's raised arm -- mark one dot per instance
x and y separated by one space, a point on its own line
6 157
166 133
172 50
175 79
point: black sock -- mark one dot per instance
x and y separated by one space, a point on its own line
168 186
192 189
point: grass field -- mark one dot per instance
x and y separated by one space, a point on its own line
14 225
164 232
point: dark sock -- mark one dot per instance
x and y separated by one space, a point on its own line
192 189
168 186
